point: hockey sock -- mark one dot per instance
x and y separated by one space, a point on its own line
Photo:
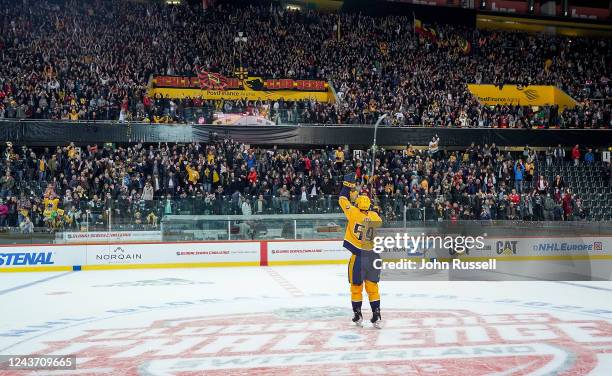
375 305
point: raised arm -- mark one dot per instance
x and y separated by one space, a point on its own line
374 220
347 185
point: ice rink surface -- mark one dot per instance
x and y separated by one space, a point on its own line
295 320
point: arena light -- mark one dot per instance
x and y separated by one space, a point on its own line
293 7
240 38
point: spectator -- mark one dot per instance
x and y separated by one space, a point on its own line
558 183
246 207
541 185
528 174
26 226
433 146
559 154
568 205
580 211
7 183
514 197
589 157
549 157
576 155
549 206
339 158
252 176
260 205
4 211
303 199
147 192
519 171
284 199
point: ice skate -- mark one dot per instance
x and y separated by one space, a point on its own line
376 319
358 318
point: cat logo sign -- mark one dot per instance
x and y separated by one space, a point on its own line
507 248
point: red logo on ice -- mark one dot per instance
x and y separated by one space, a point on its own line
321 341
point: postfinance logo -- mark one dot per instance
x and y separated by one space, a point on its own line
531 95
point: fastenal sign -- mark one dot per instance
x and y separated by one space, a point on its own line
37 256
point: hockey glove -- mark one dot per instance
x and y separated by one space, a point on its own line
349 180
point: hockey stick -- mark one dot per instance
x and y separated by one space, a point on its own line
371 179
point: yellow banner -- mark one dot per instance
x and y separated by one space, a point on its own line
208 85
252 95
532 95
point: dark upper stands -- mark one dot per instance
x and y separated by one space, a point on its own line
88 60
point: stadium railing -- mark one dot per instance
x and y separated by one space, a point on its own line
235 217
185 228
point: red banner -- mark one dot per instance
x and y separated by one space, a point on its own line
215 81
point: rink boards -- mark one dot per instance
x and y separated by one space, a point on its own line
596 250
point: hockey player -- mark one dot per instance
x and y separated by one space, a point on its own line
358 239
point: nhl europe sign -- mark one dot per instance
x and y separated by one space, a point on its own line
319 341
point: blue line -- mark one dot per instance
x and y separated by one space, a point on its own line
2 292
584 286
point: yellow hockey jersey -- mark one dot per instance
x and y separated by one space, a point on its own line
361 224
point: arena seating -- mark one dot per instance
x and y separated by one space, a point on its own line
136 186
587 181
91 60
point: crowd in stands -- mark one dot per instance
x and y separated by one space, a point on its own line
92 60
73 187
